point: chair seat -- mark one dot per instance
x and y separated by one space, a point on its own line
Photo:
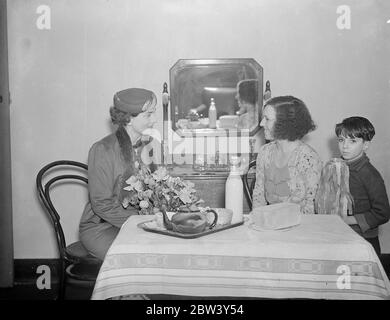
77 252
83 272
85 267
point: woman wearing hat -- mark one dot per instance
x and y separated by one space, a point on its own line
110 160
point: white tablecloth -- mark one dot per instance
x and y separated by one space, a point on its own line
322 258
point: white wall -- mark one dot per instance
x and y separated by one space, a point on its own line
62 80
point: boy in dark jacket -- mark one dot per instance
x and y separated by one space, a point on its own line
371 205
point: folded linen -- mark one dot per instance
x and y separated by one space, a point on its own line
276 216
228 121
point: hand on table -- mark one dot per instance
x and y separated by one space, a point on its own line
349 220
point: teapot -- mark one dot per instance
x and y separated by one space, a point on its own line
189 221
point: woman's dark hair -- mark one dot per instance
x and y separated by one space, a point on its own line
356 127
293 119
122 119
248 91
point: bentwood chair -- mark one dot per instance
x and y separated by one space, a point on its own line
249 183
76 265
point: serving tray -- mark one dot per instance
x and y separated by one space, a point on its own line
217 228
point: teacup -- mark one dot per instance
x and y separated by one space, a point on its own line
224 216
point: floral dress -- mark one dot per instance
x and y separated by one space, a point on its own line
301 175
276 184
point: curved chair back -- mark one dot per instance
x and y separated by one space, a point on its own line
75 261
249 185
44 195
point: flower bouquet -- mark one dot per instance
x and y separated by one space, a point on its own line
148 192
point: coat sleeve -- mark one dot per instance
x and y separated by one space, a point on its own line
102 185
379 211
258 195
309 167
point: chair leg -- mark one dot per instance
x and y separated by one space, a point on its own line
62 274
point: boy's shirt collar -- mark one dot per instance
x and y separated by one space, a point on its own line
359 163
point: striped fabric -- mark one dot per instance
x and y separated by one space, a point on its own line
320 259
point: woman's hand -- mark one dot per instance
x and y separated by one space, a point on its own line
349 220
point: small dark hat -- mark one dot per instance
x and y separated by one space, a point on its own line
134 100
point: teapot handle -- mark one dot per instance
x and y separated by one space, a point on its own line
212 225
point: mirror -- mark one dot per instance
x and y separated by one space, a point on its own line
235 85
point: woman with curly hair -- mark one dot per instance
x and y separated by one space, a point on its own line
110 162
287 169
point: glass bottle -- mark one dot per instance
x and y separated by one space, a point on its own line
212 115
234 193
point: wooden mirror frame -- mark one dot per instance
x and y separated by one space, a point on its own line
192 70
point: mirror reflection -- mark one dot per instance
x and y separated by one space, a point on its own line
233 86
247 98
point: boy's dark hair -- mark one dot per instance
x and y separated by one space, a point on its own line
293 119
356 127
248 91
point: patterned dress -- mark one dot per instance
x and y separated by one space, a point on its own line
297 182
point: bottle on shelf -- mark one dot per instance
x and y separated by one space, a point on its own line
212 115
234 193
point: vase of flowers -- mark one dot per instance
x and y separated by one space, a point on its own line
150 191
